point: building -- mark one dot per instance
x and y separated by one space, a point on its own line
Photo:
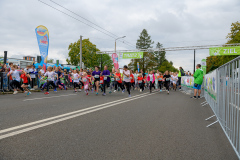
29 58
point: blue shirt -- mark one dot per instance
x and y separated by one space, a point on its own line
106 73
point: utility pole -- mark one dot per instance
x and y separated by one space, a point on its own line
80 52
194 62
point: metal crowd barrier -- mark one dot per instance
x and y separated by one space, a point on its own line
222 94
187 83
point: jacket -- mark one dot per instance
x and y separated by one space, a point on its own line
198 76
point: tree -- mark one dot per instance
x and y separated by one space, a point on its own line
160 55
50 61
148 61
89 56
214 62
234 36
167 66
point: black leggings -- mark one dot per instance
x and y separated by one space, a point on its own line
141 86
50 83
128 85
118 84
105 83
167 84
151 85
75 84
160 84
15 84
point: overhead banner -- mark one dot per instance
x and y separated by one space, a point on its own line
224 51
131 55
43 43
204 66
115 60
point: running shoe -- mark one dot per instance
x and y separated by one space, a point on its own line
15 92
28 93
123 91
80 90
115 91
87 94
55 90
97 93
168 92
47 93
129 95
75 91
110 92
104 94
140 90
160 90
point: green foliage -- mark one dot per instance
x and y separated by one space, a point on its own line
89 56
167 66
160 55
213 62
50 61
234 36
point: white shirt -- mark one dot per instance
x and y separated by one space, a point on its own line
32 75
151 77
135 76
50 75
125 78
27 70
15 75
75 77
42 71
175 78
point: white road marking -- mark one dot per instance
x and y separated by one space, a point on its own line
69 117
63 115
204 102
49 97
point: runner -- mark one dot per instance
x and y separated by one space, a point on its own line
86 81
113 81
118 81
140 82
156 77
160 78
106 81
131 79
50 74
151 80
167 80
76 82
126 79
136 79
96 74
58 81
174 78
15 83
25 77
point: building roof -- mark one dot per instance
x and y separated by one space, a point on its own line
29 56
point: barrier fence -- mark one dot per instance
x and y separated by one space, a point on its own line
221 91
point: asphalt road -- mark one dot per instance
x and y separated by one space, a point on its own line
65 125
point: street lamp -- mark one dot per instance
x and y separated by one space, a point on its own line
116 43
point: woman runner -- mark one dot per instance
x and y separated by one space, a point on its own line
167 80
96 74
126 79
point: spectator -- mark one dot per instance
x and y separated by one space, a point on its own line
32 72
180 74
198 79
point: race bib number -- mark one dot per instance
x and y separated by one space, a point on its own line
130 77
101 81
112 79
139 81
49 79
151 79
167 79
84 80
126 78
105 78
159 79
96 76
117 79
14 78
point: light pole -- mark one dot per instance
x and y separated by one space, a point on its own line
116 43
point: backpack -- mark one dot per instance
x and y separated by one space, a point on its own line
182 72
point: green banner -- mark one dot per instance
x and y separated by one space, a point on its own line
131 55
220 51
204 66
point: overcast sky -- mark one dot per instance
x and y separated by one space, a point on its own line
170 22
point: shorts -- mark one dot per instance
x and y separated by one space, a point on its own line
25 83
96 79
198 87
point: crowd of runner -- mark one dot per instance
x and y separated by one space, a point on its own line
94 81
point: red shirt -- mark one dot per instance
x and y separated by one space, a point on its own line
89 76
132 78
24 77
140 79
101 80
119 76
